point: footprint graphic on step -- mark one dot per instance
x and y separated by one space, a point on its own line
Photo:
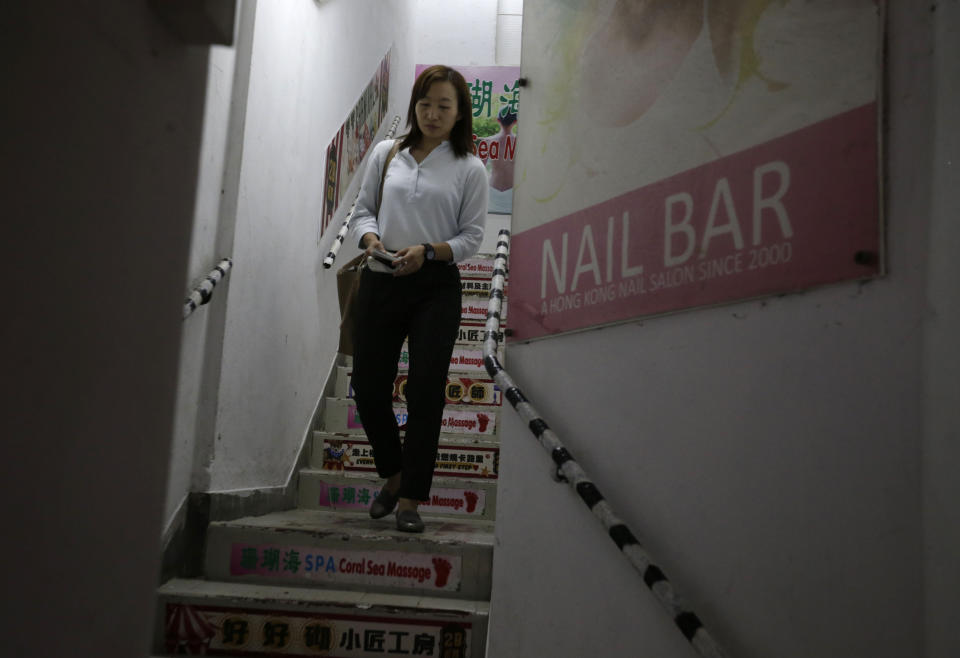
442 568
471 501
484 419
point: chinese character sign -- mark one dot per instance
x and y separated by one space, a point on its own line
676 158
229 631
495 102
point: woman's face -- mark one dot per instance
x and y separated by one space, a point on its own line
437 112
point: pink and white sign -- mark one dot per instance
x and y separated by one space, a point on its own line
478 267
468 461
794 212
473 308
464 359
739 161
468 502
230 631
459 421
333 566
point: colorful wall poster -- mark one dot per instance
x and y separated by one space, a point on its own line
495 97
353 140
717 154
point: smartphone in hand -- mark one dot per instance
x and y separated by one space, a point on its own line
384 257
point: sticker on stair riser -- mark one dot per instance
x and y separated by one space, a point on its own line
464 359
452 460
469 502
476 268
474 309
454 421
332 566
475 334
478 287
459 390
221 631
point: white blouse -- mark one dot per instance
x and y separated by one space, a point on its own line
442 199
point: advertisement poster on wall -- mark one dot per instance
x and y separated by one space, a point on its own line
719 153
354 139
495 98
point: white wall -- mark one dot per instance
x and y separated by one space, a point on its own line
941 350
310 63
268 354
509 32
773 456
458 32
192 413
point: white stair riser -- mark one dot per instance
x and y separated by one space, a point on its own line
370 564
448 497
465 359
241 628
340 415
353 454
473 310
460 389
478 267
472 334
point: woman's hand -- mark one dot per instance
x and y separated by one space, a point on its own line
372 242
411 260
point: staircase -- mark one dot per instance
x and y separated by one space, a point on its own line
325 579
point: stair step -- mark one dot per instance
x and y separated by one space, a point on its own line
458 456
340 416
353 493
465 359
473 309
451 558
240 619
460 389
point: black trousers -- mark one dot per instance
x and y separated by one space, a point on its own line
423 308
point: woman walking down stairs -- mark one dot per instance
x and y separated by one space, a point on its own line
325 578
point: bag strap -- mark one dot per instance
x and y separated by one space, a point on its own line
383 172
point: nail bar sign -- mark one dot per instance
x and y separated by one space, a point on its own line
795 212
345 566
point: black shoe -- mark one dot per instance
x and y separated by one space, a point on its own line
383 504
409 521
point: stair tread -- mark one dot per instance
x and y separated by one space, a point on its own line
288 594
327 524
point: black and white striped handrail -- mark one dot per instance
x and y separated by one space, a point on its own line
202 293
345 227
570 471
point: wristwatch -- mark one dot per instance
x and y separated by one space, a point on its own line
428 251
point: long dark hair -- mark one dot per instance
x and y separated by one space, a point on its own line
461 137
